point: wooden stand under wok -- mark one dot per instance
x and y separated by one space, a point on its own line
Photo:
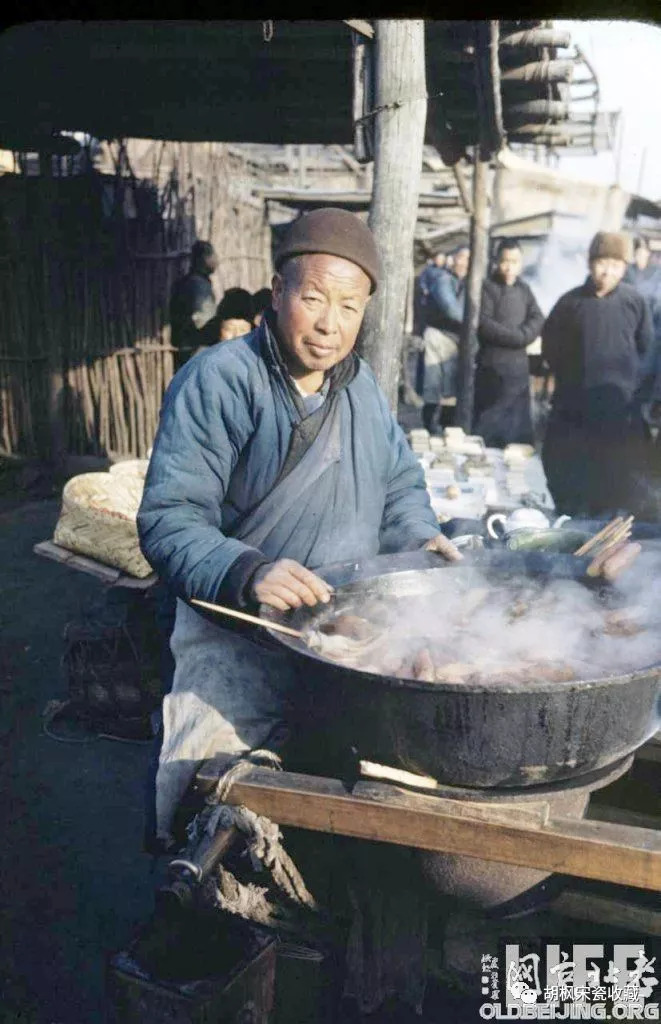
615 845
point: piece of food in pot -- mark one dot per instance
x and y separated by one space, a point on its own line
349 625
454 672
334 646
423 666
614 560
621 623
620 561
393 664
553 671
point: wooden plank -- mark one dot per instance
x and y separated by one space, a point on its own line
47 549
585 906
587 849
94 568
622 816
105 573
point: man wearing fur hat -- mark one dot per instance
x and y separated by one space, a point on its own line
594 342
276 453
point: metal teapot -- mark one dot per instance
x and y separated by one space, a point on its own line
501 526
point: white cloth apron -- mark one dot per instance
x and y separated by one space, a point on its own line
228 692
441 355
227 695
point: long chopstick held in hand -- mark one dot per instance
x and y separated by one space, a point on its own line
248 618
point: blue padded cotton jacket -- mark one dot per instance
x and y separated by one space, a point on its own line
224 434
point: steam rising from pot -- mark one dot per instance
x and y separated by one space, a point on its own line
477 628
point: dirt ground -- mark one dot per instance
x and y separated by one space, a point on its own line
73 879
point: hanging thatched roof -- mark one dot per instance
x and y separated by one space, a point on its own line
271 82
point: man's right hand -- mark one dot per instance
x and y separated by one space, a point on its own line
288 584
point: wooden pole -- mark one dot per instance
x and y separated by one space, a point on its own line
462 186
401 110
479 246
490 132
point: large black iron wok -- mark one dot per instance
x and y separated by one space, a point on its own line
462 734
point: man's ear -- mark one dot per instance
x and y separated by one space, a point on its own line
277 288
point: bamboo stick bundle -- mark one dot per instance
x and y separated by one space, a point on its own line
122 442
104 426
141 428
144 391
88 405
129 392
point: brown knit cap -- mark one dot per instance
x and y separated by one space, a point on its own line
611 245
336 232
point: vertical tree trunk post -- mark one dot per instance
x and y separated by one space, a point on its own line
401 105
489 109
479 246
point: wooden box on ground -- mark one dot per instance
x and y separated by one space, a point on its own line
239 991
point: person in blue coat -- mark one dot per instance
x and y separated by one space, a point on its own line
276 453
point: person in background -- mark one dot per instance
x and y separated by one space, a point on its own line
234 314
434 266
645 277
510 320
595 341
193 304
430 272
261 301
444 315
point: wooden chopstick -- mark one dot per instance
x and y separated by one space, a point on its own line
598 537
249 618
623 532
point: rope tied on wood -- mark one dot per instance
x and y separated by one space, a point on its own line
395 105
264 844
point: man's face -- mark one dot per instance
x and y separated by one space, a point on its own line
439 259
641 257
233 328
320 301
460 262
509 265
606 274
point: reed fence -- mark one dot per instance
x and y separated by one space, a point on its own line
87 264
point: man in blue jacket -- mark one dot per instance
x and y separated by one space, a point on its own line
276 453
444 313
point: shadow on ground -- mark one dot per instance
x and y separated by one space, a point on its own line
73 879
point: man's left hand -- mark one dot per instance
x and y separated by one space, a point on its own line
442 546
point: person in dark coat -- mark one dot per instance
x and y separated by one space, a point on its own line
645 277
510 320
193 304
594 342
